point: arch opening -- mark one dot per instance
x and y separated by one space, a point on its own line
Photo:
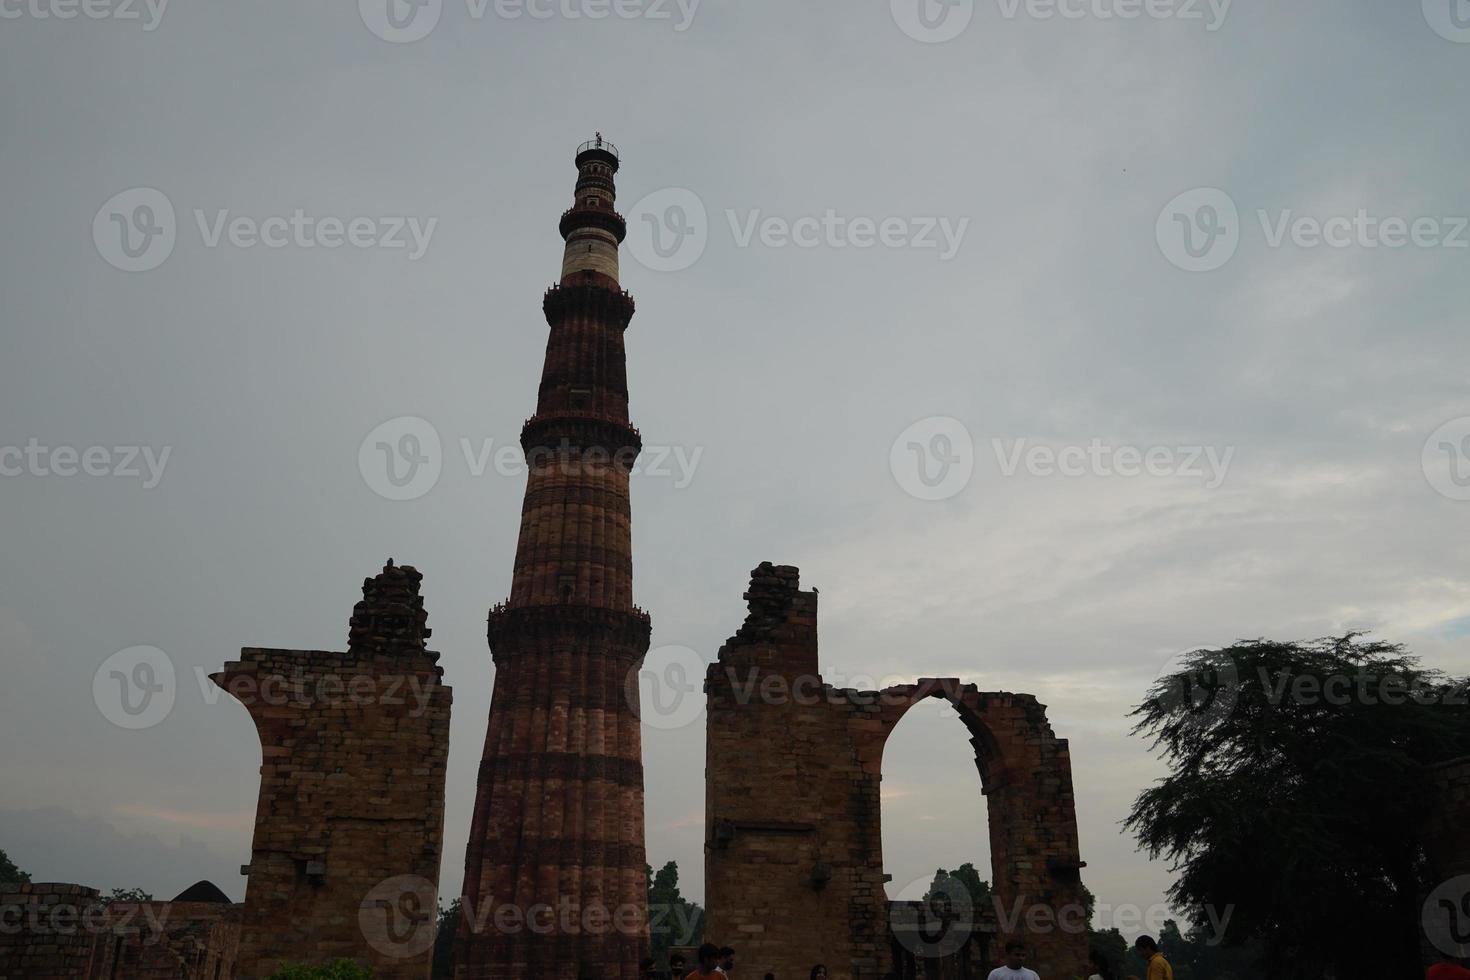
936 839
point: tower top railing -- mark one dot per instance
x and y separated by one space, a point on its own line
598 143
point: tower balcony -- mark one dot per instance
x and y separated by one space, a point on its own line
514 630
583 217
598 149
562 433
594 298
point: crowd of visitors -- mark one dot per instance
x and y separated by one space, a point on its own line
718 963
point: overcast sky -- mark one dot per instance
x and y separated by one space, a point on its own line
1003 199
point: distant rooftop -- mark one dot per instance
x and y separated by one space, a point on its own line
203 891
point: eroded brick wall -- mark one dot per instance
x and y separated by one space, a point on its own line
349 826
47 930
794 867
167 941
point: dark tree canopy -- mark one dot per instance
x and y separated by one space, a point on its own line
443 967
128 895
1295 786
672 920
963 888
9 872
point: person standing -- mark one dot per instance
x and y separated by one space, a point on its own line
1100 968
1158 967
1015 968
1450 968
727 960
709 959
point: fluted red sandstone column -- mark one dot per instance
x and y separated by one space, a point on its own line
554 879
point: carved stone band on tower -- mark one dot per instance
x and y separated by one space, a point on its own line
554 869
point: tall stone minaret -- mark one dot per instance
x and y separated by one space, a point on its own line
554 870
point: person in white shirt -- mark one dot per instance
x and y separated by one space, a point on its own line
1015 968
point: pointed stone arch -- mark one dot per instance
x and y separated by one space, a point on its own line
794 865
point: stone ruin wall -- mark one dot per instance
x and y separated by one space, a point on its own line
349 825
793 862
45 934
167 941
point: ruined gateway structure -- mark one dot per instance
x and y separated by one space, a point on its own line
350 822
349 825
794 866
793 859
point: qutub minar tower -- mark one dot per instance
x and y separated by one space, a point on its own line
554 872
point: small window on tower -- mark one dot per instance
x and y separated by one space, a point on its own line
581 399
566 585
592 202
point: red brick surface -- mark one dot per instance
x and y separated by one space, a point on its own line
349 826
554 879
794 865
48 930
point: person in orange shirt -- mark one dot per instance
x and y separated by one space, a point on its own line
1158 967
708 969
1450 968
